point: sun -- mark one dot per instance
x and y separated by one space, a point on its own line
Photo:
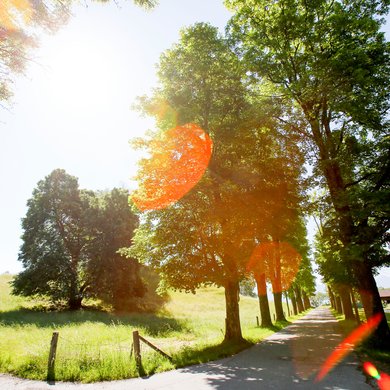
82 75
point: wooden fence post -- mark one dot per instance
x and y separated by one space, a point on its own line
257 321
137 349
52 357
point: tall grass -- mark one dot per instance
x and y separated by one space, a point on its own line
96 345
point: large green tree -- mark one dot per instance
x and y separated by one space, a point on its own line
196 240
70 243
208 235
54 239
331 59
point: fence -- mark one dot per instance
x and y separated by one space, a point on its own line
129 346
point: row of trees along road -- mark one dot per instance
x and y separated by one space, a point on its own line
250 193
70 243
327 68
332 62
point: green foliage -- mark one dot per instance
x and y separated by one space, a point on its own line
319 51
250 190
332 62
70 245
247 286
320 298
111 276
53 240
201 80
331 59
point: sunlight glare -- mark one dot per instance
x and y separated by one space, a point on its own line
83 76
14 13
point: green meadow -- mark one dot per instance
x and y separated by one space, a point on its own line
96 345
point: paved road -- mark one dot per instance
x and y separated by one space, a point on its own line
288 359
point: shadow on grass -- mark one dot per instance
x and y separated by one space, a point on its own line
155 324
190 356
277 326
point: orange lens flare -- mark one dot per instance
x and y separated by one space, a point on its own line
278 261
348 344
384 382
179 158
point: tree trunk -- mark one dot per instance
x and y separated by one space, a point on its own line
346 302
298 297
74 303
277 287
288 306
355 307
306 300
279 307
360 270
293 302
263 301
339 307
233 326
331 298
74 298
373 306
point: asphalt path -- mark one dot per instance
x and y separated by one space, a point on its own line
288 359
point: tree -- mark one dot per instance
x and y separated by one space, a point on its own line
319 299
331 268
70 243
185 258
111 276
332 61
245 186
54 239
200 239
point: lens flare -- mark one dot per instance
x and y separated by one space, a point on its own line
382 378
384 382
178 160
164 112
371 370
348 344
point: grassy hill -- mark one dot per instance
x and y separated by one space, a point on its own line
95 345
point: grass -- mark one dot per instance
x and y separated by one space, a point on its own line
95 345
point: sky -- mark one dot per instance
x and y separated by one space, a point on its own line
72 108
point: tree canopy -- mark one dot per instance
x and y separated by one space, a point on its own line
332 61
250 187
70 243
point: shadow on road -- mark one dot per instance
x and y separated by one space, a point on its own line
290 358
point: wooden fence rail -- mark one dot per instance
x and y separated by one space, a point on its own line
137 350
155 348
